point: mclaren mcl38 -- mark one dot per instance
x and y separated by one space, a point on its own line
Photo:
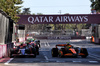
67 50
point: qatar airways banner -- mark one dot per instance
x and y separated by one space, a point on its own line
59 19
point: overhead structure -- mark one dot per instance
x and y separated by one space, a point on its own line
59 19
65 19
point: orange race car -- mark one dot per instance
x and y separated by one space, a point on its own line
67 50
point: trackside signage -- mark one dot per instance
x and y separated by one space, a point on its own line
58 19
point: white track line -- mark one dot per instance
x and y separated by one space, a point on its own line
45 44
94 57
76 61
46 57
48 44
8 61
93 61
60 61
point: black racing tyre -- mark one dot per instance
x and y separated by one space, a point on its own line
10 54
12 51
34 52
34 56
84 51
37 50
54 52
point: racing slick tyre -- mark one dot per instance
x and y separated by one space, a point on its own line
10 53
84 51
34 52
54 52
37 50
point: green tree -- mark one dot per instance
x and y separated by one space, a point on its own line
39 14
95 5
26 11
11 8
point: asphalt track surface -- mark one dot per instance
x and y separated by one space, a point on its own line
45 58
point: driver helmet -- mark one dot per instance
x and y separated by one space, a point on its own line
68 43
21 43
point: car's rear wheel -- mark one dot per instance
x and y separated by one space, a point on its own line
37 50
85 52
54 52
10 53
34 52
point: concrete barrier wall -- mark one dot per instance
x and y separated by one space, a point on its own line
6 28
3 50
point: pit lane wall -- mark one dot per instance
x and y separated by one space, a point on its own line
5 50
6 30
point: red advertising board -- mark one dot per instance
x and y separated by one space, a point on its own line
59 19
3 50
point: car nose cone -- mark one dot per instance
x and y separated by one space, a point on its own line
22 51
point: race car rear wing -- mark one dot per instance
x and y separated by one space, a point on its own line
62 45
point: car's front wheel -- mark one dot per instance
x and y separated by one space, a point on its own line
34 52
85 52
54 52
